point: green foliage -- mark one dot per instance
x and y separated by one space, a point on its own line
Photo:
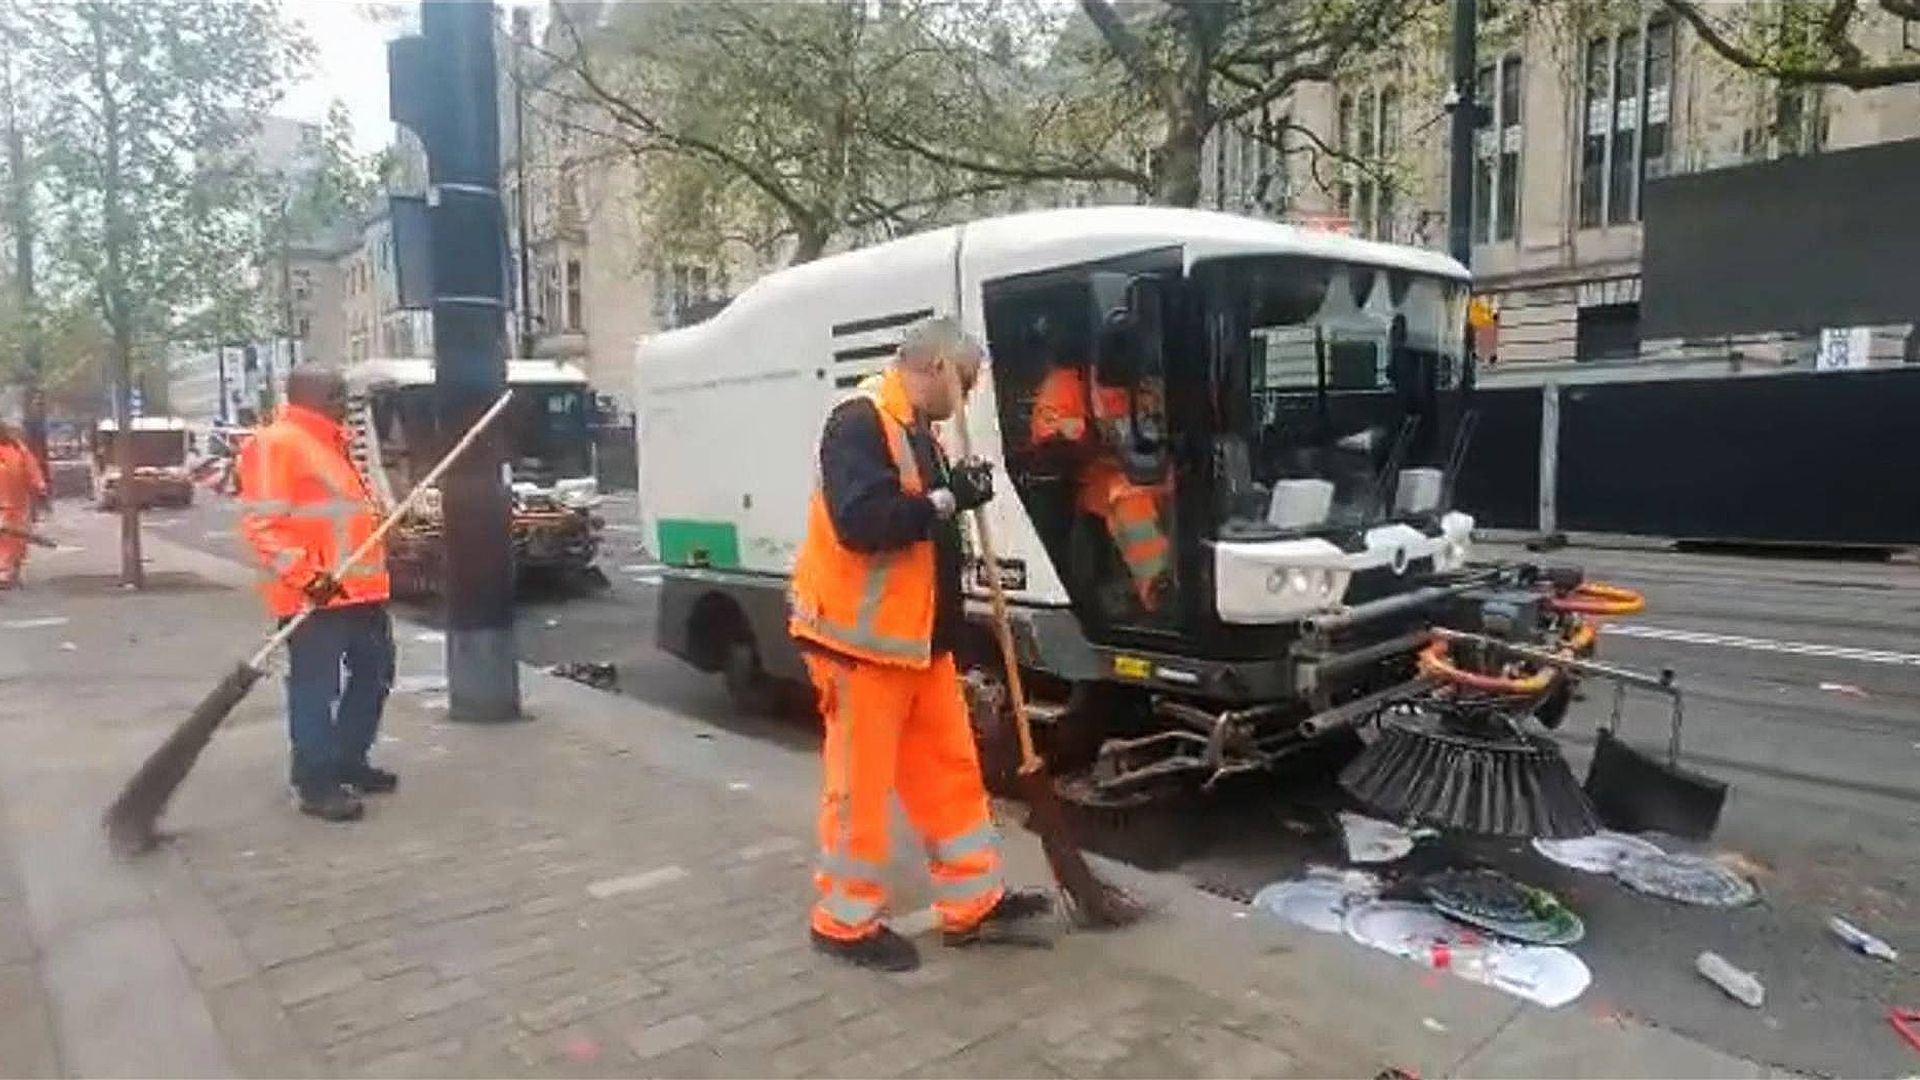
1855 44
153 206
753 122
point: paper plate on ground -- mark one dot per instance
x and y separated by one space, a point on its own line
1370 840
1550 977
1689 879
1315 903
1552 925
1601 853
1545 975
1409 930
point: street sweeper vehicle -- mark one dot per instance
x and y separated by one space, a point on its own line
1243 549
548 435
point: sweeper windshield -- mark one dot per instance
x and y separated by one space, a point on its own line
1331 372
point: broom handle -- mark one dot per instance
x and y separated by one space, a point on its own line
380 532
996 594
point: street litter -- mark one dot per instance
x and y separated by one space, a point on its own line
1502 906
1547 975
1862 942
1689 879
35 624
430 637
1843 688
1320 900
1601 853
597 674
426 683
68 646
1433 1025
551 623
1370 840
1739 985
1903 1021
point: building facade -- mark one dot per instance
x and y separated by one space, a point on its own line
1583 105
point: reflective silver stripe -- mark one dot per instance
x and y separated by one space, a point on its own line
1138 532
897 435
850 910
915 652
966 888
837 865
842 907
265 506
979 838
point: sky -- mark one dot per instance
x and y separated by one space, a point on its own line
350 62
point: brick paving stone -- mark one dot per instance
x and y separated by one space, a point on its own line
653 1040
315 976
277 943
260 1039
27 1045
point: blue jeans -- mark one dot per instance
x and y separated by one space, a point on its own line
332 727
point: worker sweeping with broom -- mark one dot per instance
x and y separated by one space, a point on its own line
23 498
877 611
305 508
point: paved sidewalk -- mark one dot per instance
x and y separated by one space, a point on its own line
606 889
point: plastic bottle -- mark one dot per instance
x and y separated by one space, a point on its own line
1860 941
1739 985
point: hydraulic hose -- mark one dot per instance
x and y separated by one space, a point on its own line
1597 598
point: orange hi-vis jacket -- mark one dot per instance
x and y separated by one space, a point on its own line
305 509
875 607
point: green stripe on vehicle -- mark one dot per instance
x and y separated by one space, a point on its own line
699 543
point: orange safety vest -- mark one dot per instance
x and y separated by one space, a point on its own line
304 509
875 607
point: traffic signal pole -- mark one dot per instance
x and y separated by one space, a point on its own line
1466 120
444 88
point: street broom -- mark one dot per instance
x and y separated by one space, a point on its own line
1092 902
130 821
31 537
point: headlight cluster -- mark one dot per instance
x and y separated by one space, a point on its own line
1301 581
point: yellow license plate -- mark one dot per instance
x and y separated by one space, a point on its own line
1132 667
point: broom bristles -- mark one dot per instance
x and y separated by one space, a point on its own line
131 819
1091 901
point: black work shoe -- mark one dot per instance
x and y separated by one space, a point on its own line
332 804
882 950
1002 924
372 781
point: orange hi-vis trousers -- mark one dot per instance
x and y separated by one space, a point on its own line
897 729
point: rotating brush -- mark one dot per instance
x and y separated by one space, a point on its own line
1469 770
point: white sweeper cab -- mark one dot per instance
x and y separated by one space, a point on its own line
1290 408
548 433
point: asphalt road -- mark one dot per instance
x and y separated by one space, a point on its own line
1803 681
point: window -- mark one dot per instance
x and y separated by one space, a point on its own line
302 284
1496 151
1624 169
1607 332
1626 134
1369 135
306 327
1593 154
1344 197
1389 145
573 319
1507 202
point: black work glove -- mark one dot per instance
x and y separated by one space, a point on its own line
323 589
971 482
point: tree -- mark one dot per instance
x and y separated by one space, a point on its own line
1848 43
1183 69
765 113
148 106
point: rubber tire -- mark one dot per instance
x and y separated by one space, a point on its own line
748 686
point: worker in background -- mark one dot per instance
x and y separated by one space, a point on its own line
304 509
23 500
877 612
1086 429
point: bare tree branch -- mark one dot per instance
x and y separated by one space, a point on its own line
1091 171
1130 49
1853 78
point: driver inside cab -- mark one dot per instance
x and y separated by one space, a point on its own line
1107 436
